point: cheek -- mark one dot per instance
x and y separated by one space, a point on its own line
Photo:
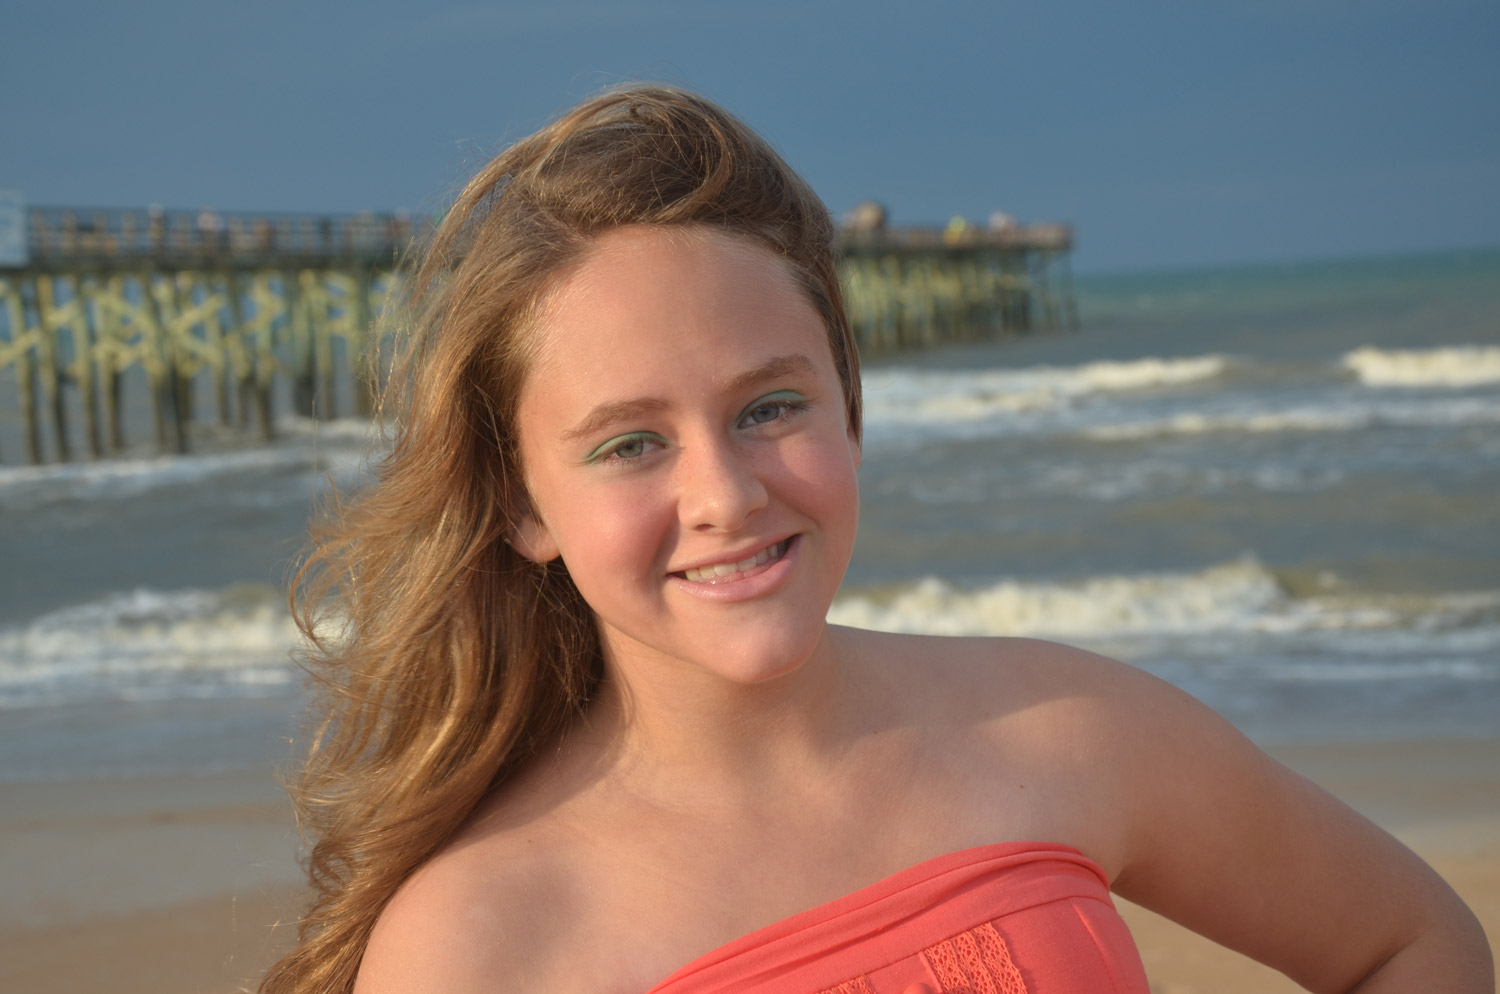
824 475
616 529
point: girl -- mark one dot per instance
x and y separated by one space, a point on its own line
587 728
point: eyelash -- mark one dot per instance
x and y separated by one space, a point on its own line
610 451
785 403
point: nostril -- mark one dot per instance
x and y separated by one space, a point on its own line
720 491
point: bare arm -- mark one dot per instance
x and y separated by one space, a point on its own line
1231 844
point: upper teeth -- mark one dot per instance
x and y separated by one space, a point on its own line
714 573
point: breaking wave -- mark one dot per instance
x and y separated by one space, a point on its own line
316 447
1336 414
148 645
1455 366
1457 634
935 397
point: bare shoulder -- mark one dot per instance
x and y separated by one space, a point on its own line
1010 666
1042 739
483 914
1198 823
1042 694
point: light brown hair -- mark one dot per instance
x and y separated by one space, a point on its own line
441 658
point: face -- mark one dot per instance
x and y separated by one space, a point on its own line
686 449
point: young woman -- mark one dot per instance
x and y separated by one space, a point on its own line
588 728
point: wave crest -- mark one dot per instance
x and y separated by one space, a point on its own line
1096 606
1240 597
957 396
1455 366
147 644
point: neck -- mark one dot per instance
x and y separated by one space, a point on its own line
669 724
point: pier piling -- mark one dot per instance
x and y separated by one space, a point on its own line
237 305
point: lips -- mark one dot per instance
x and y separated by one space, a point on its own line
730 571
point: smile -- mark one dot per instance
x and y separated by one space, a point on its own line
729 572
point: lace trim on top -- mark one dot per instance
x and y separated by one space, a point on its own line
859 985
974 962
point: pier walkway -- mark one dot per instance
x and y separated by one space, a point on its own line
229 320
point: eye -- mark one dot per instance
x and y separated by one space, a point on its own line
773 407
625 448
767 411
629 449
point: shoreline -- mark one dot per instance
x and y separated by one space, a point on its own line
176 885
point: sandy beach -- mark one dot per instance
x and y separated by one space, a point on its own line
144 885
175 886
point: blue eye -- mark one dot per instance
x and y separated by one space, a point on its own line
772 407
762 413
629 449
623 449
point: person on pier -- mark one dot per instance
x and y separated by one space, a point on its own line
586 727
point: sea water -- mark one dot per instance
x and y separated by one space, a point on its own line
1277 487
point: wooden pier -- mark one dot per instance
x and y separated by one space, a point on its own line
248 308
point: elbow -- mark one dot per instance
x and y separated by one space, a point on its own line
1450 956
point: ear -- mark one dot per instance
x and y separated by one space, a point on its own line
532 539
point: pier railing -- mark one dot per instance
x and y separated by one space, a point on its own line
223 322
69 237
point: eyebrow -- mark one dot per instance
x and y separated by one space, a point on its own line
605 415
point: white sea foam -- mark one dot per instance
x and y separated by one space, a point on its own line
125 477
1336 414
1108 605
1240 600
1113 401
151 644
1456 366
1140 374
907 396
1137 478
321 452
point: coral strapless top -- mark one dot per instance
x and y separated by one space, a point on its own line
1014 918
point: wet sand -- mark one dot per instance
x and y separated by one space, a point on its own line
144 885
174 886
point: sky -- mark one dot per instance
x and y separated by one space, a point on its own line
1170 134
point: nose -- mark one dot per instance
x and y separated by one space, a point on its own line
719 487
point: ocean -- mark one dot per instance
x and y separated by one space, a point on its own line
1277 487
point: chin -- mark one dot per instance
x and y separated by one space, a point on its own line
766 652
752 664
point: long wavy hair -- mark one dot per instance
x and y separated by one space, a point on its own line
440 658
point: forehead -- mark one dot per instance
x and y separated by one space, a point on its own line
641 290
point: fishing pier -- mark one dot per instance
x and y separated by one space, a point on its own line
220 323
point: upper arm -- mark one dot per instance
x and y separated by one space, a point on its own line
1228 842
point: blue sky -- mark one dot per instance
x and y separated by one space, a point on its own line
1169 133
